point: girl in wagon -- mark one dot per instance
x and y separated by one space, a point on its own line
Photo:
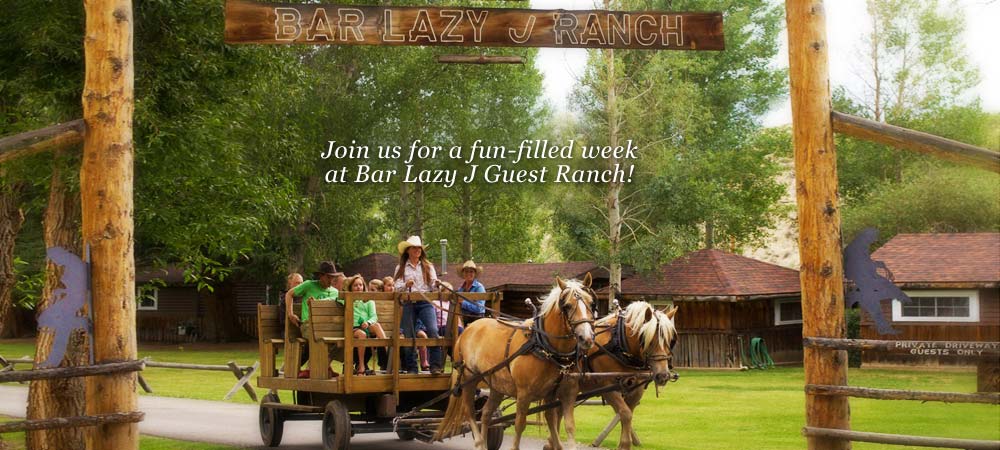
365 322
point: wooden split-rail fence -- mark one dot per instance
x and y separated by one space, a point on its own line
8 374
242 374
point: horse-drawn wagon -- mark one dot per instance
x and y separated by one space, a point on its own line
544 359
348 403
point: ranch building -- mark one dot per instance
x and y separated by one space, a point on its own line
953 280
725 300
175 311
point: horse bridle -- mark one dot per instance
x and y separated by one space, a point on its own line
565 310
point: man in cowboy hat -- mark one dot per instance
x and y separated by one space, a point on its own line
322 288
472 310
415 274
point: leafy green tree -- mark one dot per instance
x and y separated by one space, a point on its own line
917 76
690 113
930 200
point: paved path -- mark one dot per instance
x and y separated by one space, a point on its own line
236 424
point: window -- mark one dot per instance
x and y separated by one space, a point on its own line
787 311
938 306
147 299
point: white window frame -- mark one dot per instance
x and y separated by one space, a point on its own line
777 311
971 294
156 300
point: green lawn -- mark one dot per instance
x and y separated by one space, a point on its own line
704 410
15 441
765 410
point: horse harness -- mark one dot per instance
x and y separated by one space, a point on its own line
537 343
617 349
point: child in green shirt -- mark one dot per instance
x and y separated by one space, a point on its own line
365 322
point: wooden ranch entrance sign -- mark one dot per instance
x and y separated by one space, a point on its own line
278 23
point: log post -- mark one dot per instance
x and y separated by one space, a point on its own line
822 272
107 212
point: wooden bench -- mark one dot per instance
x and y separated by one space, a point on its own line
326 319
270 337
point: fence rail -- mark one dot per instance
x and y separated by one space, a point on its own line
896 394
71 372
242 374
71 422
979 351
901 439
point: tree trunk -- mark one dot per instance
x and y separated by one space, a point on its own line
106 176
709 234
615 187
11 219
467 220
404 213
49 399
822 271
418 210
297 252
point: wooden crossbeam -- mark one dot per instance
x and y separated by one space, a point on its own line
917 141
72 422
897 394
70 372
242 379
961 349
37 141
901 439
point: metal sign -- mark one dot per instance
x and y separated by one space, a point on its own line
869 288
63 316
280 23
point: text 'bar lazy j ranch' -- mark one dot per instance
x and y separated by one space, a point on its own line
277 23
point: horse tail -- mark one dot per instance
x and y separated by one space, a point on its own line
458 410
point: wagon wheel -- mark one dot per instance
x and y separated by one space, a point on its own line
406 435
494 438
272 424
336 427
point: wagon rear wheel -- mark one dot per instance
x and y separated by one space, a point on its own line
272 424
494 438
336 427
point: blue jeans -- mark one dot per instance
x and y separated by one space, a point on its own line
425 312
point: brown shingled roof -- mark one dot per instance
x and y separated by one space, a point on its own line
715 273
524 274
942 258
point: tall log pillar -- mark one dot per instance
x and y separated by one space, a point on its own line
822 272
106 197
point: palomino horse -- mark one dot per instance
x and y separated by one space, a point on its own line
519 360
638 339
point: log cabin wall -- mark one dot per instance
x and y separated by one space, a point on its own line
175 306
712 333
987 329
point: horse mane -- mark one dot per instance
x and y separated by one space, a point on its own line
667 330
635 320
553 298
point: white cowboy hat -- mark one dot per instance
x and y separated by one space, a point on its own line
412 241
471 265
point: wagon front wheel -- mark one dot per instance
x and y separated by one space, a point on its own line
494 438
272 424
336 427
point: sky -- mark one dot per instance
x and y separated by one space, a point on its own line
561 67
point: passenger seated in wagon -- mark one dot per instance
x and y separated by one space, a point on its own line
322 288
365 325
